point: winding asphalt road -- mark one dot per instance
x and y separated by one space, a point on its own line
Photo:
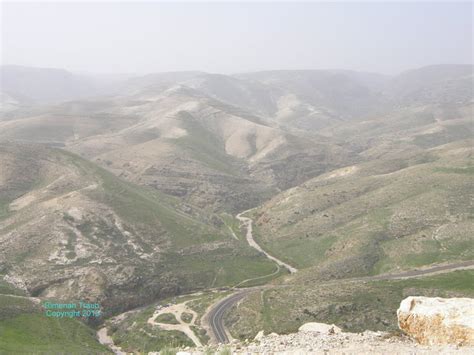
217 313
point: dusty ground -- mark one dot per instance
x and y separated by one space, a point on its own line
177 310
342 343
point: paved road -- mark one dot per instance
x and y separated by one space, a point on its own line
217 313
422 272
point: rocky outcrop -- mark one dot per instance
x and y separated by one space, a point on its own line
438 320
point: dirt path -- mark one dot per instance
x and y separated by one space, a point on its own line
106 340
260 277
177 310
35 300
232 233
248 223
432 270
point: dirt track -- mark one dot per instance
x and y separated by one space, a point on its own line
247 222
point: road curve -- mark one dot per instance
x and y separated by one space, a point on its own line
216 314
247 222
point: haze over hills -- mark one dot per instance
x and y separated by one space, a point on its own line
49 85
234 130
124 190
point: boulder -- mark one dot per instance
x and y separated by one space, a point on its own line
313 327
437 321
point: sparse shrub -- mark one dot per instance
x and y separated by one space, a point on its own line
225 351
186 317
168 351
168 318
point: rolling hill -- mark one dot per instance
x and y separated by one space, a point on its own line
375 217
71 230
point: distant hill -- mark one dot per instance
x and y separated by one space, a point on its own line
241 137
45 84
436 84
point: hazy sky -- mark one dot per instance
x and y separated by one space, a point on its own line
134 37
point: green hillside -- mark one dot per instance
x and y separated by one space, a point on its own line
352 305
69 223
376 217
25 330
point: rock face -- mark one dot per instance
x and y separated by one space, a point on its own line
320 328
438 320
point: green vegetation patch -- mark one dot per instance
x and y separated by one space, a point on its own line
134 334
8 289
204 147
352 305
201 334
25 330
149 339
304 250
145 208
167 318
232 225
222 267
447 135
469 170
186 317
262 280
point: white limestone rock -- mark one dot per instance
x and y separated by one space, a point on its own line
438 320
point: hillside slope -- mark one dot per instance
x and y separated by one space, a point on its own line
181 142
375 217
24 329
72 230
